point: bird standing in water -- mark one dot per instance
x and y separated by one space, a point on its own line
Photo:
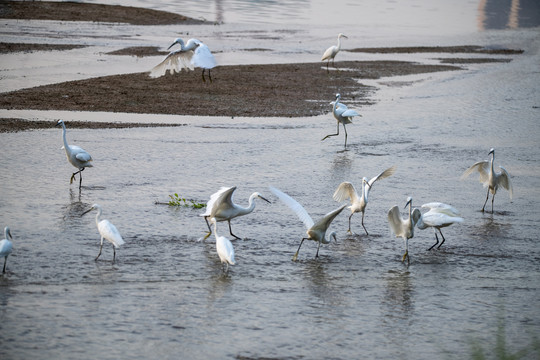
224 248
6 247
404 228
107 231
343 115
439 215
76 156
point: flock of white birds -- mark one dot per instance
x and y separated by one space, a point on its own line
221 206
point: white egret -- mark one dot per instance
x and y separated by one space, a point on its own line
490 178
107 231
332 51
76 156
404 228
221 206
191 55
439 215
224 248
346 190
343 115
315 231
6 247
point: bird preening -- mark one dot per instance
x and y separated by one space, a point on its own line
332 51
192 54
343 116
107 231
76 156
490 178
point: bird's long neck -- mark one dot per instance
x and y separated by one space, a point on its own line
215 229
365 191
251 205
98 216
335 105
492 161
339 43
7 234
66 146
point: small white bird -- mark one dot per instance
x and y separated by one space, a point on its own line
404 228
224 248
221 206
315 231
191 55
6 247
107 231
343 115
332 51
76 156
439 215
346 190
490 178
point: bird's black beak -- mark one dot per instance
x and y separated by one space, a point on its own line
171 45
268 201
86 212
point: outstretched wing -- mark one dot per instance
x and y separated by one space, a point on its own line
327 219
505 181
415 215
174 62
442 208
219 199
483 169
344 191
294 206
395 221
386 173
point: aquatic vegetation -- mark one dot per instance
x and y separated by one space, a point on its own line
177 200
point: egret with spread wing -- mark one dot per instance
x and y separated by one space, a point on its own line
404 228
332 51
190 55
6 247
490 178
76 156
346 190
107 231
315 231
343 115
222 207
439 215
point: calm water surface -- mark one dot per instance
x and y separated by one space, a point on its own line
166 296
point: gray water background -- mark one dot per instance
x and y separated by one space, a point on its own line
166 296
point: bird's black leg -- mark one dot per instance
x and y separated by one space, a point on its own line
344 128
443 239
485 202
336 134
114 254
350 223
100 247
436 237
363 223
207 224
230 230
492 200
80 177
203 79
296 254
317 254
5 262
209 75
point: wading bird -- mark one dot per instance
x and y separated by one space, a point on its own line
224 248
315 231
6 247
404 228
490 178
221 206
439 215
76 156
191 55
347 190
107 231
332 51
343 115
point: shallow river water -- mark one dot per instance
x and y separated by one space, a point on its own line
167 297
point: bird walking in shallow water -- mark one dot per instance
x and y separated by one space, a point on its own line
491 179
315 231
332 51
346 190
76 156
404 228
6 247
190 55
224 248
107 231
342 115
222 207
439 215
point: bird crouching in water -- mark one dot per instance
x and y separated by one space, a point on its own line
491 179
76 156
190 55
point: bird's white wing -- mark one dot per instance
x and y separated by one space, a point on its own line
203 58
344 191
6 247
295 206
174 62
110 232
415 215
214 202
395 220
224 201
505 181
330 52
225 248
83 155
442 208
482 167
386 173
350 113
437 219
327 219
